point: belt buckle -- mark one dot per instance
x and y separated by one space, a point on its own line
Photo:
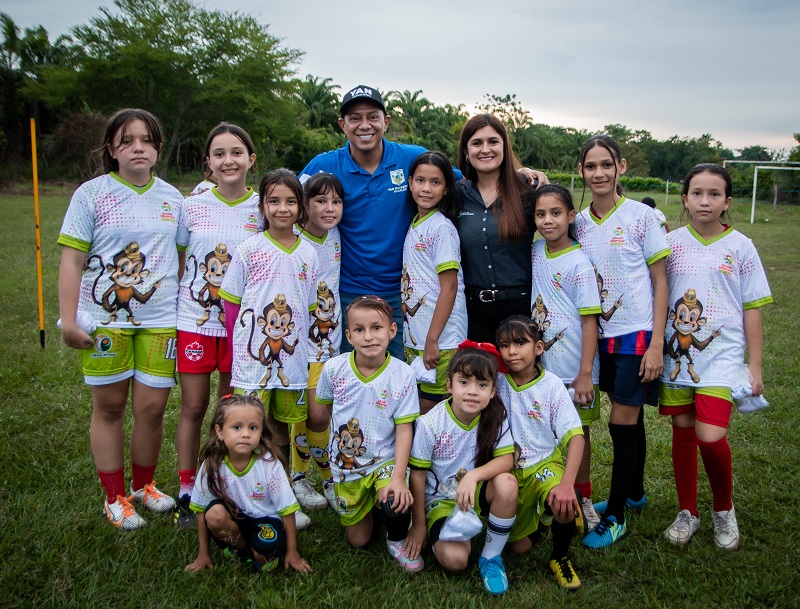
492 293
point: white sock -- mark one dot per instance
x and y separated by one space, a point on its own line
496 535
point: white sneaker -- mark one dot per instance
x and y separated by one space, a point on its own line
122 514
591 516
726 529
330 496
153 499
683 529
307 496
301 521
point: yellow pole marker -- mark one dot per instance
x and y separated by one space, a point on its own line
38 231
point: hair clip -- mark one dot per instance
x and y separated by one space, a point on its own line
487 348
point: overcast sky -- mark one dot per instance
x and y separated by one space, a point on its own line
672 67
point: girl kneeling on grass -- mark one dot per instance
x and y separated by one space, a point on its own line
242 491
461 456
716 288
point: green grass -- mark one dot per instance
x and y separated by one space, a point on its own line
56 551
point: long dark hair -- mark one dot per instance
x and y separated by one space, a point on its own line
508 209
119 121
712 168
287 178
562 194
610 144
482 366
214 450
448 206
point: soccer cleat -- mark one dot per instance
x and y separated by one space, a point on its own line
630 504
182 515
307 496
493 574
683 529
726 529
398 552
122 514
330 496
590 515
153 499
607 532
565 575
301 521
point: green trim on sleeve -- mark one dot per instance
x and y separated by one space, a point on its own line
419 463
758 303
312 306
505 450
575 431
182 248
407 419
230 297
324 401
197 509
590 311
452 265
76 244
658 256
289 510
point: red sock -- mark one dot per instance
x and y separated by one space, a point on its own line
113 484
186 477
717 461
684 464
584 488
142 475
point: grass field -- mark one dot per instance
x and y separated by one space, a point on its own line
56 551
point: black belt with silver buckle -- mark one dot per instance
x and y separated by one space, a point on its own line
496 295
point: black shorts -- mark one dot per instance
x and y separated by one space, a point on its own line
264 535
619 376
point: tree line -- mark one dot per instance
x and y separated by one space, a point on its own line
193 67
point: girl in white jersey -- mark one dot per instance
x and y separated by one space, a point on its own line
624 242
716 288
213 223
242 493
461 456
434 307
119 267
565 305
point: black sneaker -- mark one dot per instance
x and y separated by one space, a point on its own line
182 515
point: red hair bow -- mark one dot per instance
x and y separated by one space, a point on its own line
488 348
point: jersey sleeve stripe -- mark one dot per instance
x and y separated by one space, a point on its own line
447 266
575 431
658 256
590 311
407 419
289 510
419 463
230 297
755 304
504 450
76 244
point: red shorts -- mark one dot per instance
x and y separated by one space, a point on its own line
706 403
201 354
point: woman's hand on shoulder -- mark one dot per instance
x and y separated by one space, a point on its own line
534 178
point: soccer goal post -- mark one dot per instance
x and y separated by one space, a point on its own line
755 184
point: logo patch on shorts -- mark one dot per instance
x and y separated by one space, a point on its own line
266 532
194 351
102 346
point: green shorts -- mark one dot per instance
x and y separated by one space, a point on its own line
146 354
439 387
589 413
285 406
356 498
535 484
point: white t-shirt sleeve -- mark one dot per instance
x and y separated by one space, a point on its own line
235 279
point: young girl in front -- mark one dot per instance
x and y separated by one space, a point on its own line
461 456
242 494
272 286
543 420
716 288
213 223
437 323
324 194
119 266
624 241
565 304
374 403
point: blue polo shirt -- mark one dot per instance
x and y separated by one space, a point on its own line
375 217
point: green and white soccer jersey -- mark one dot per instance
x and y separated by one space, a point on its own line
276 288
621 246
431 247
541 416
564 289
710 284
128 234
447 448
365 413
325 326
210 229
262 489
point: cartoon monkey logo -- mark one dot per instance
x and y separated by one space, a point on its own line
213 268
449 487
349 440
276 324
606 315
539 315
687 320
519 460
126 272
406 292
324 324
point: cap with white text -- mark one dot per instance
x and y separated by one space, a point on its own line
361 93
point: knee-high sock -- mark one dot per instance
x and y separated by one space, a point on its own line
318 445
623 438
300 454
637 484
497 531
562 533
684 464
717 461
